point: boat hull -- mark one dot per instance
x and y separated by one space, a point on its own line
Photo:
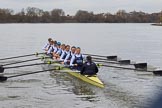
157 24
93 80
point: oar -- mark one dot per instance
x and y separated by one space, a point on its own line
4 78
156 72
3 68
123 62
21 56
24 61
7 58
48 62
112 58
95 55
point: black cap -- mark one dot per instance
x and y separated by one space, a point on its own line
89 58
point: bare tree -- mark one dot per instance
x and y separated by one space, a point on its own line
36 15
57 15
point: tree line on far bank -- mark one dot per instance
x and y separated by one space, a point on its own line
36 15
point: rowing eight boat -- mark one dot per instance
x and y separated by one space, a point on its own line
94 80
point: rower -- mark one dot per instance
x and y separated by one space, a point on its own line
52 49
89 67
59 52
69 56
47 45
65 53
77 60
56 48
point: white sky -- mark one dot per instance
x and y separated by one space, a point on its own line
97 6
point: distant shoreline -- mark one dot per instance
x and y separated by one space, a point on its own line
36 15
156 24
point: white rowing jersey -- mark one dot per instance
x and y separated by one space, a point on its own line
64 54
59 51
46 46
53 48
74 57
68 57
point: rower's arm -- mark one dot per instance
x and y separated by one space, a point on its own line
58 52
96 68
72 60
84 57
82 69
62 55
49 50
55 50
67 57
45 46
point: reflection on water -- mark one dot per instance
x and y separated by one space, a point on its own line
10 98
78 87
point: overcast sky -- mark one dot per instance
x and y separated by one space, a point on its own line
97 6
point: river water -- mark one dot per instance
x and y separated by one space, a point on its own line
123 88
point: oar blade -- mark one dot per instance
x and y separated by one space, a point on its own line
3 78
112 58
1 69
125 62
140 65
157 72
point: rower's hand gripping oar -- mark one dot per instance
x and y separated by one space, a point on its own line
21 56
4 78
